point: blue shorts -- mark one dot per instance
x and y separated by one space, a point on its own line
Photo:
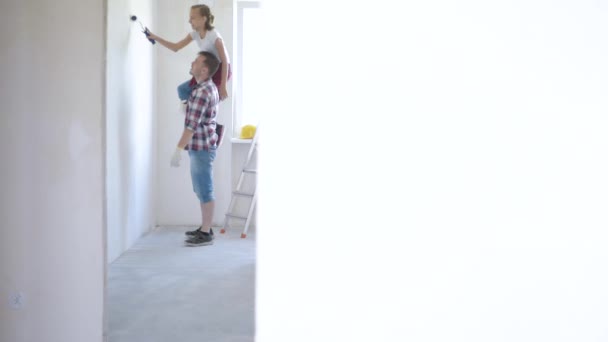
201 171
184 90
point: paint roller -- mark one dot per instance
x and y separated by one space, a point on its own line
143 29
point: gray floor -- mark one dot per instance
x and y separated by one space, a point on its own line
160 290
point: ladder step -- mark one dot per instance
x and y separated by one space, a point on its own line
237 216
240 193
249 171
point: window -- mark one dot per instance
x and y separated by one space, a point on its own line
249 54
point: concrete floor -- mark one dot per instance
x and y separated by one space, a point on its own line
160 290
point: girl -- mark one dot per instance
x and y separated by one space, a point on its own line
208 39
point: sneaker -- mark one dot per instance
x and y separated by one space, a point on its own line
201 239
198 231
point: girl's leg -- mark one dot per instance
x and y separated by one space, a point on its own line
217 77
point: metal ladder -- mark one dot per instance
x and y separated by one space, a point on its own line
238 193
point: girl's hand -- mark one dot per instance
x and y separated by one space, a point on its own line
152 35
223 93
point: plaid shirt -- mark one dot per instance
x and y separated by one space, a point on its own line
201 114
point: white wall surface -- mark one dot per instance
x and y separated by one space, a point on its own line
176 202
478 210
131 125
52 175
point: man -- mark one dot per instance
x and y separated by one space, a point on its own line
200 140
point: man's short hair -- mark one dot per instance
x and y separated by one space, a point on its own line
211 62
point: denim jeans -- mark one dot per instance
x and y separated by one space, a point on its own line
201 171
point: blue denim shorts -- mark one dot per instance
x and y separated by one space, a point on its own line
201 171
184 90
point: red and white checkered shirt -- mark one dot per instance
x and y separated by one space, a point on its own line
201 114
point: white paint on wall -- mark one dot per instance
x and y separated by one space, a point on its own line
131 125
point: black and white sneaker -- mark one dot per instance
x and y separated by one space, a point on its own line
198 231
200 239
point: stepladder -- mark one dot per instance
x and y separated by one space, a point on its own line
244 196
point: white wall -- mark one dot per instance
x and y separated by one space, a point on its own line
131 125
176 202
477 212
51 112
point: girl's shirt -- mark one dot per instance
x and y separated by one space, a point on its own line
207 43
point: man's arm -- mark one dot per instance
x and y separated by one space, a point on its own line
194 116
185 139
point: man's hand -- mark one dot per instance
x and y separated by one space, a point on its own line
177 157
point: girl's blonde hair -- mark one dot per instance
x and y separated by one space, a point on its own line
204 11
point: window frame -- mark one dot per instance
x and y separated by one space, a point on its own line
237 118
